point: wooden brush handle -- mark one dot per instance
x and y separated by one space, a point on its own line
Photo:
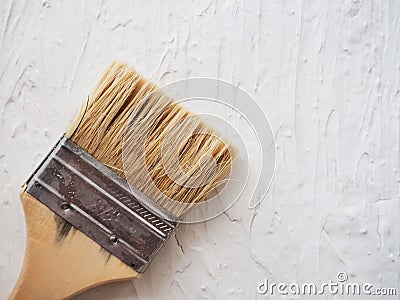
61 261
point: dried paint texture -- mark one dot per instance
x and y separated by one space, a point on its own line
326 73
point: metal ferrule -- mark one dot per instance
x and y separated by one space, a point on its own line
95 200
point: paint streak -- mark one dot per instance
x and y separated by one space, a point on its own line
325 72
63 229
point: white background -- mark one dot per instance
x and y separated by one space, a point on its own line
325 72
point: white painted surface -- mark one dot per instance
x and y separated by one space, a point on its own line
326 73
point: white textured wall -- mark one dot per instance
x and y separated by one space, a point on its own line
325 72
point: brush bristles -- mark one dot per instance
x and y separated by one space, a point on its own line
154 143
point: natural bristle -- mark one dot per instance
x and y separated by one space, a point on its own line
154 143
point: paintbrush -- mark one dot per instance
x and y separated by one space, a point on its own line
115 187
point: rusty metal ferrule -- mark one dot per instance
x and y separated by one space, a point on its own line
102 205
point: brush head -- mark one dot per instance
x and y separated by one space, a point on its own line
151 141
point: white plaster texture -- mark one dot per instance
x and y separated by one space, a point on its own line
325 72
